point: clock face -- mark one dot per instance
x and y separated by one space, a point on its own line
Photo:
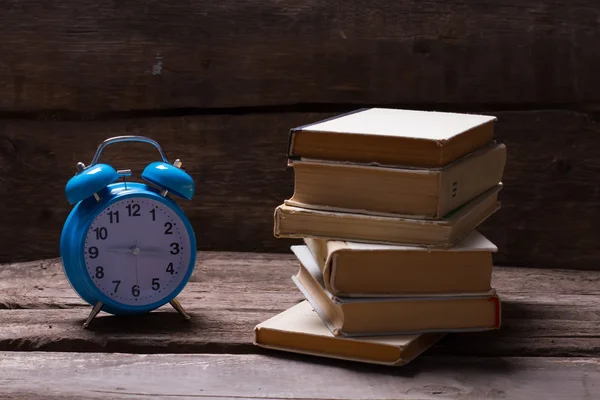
137 251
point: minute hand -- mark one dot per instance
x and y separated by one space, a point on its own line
152 252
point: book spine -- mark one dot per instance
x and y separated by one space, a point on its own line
294 131
496 300
471 177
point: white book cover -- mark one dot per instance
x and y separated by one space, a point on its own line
429 125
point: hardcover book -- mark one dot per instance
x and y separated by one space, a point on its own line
409 192
299 329
386 136
354 269
298 222
468 312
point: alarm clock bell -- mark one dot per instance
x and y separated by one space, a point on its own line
127 247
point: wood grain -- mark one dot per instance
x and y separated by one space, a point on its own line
125 376
95 56
550 212
549 216
237 162
545 312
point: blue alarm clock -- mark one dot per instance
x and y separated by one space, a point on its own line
127 247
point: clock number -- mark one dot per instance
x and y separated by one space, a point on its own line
170 268
169 226
134 210
93 252
153 212
175 247
117 283
101 233
99 272
155 284
135 290
114 217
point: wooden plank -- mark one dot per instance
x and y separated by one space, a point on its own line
549 209
125 376
94 56
237 162
545 312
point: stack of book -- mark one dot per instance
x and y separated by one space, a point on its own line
387 203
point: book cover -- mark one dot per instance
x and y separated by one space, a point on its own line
299 329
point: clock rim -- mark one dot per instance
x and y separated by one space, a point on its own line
73 244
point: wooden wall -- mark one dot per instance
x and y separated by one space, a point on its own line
219 85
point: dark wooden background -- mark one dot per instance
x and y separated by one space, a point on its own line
219 85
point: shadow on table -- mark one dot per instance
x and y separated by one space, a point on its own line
467 352
156 322
489 366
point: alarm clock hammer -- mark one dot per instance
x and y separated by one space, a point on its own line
127 248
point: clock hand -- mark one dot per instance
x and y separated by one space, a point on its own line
122 250
137 251
136 262
152 252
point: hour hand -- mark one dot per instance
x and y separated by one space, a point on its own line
122 250
136 251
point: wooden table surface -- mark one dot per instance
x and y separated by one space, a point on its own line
548 346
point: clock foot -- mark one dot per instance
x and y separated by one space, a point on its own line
93 314
177 306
